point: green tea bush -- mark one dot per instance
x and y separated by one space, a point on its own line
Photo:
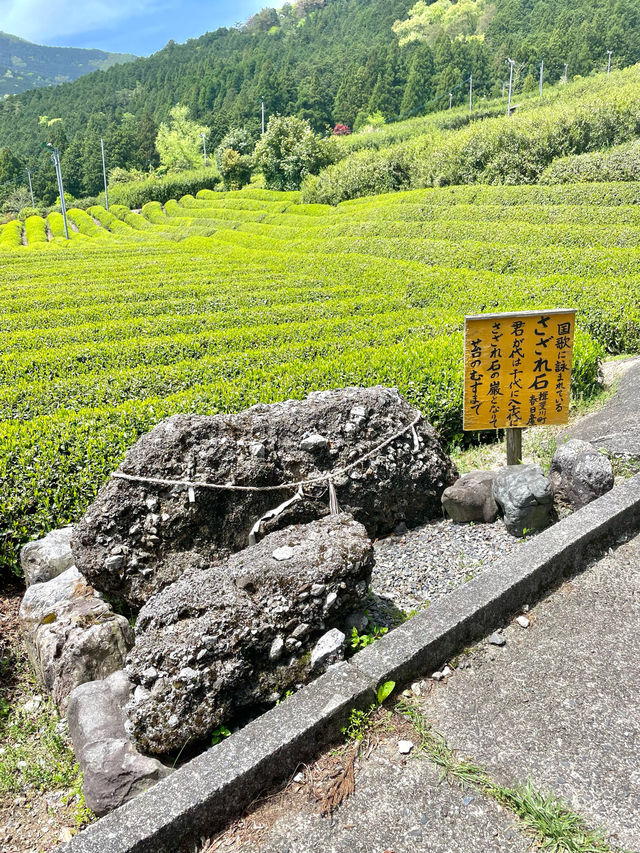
137 193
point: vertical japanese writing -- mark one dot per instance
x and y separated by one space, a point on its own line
476 377
516 357
562 366
495 363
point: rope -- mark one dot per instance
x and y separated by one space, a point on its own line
232 487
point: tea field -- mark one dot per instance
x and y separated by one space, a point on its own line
216 302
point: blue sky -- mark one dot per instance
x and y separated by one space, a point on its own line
125 26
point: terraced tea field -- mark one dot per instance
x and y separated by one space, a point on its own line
217 302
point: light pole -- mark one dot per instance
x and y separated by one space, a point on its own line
450 99
511 62
565 79
541 76
262 106
204 147
104 175
609 52
28 171
470 91
55 156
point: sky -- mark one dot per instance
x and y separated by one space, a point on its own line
121 26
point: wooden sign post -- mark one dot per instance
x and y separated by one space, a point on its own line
517 372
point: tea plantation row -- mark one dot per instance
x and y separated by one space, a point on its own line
217 302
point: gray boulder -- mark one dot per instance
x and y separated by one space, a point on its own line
579 474
44 559
524 495
230 636
113 769
138 537
471 498
71 634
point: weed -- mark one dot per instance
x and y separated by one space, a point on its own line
555 826
361 641
220 734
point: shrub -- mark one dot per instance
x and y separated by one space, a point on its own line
289 151
341 130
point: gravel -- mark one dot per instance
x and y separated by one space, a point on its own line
416 567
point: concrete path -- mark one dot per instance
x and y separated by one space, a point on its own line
557 705
616 427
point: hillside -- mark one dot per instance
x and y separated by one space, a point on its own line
24 65
327 61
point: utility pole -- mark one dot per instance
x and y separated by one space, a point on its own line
511 62
541 76
470 92
565 79
28 171
450 99
609 52
104 175
262 102
55 156
204 147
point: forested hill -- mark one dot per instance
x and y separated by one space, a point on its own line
24 65
327 61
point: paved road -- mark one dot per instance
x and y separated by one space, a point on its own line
557 705
616 427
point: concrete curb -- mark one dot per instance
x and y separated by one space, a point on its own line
204 794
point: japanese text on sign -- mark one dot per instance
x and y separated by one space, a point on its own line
517 369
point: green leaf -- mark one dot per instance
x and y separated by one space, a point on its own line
385 690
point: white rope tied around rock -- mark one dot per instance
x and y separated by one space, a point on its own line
233 487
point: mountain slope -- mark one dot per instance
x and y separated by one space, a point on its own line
24 65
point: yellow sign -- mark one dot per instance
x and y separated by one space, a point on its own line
517 369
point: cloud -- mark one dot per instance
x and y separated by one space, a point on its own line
48 20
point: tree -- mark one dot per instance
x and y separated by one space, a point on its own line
419 88
461 19
179 142
11 169
289 151
233 158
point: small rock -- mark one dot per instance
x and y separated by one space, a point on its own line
523 622
313 443
447 671
497 639
416 688
258 450
283 553
328 649
32 705
579 474
276 650
524 495
299 778
437 676
405 747
471 498
44 559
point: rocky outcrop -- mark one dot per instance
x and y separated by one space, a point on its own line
524 495
113 770
72 635
48 557
471 498
233 635
138 537
579 474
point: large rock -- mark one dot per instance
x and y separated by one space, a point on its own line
471 498
72 635
46 558
113 769
524 495
224 638
579 474
138 537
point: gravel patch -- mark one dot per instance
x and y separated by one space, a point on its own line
416 567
